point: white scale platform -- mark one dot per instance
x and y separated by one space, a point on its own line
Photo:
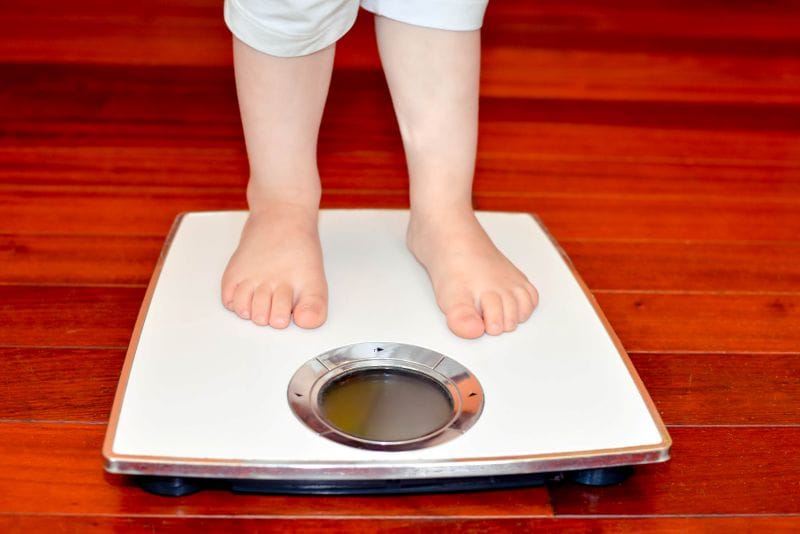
204 393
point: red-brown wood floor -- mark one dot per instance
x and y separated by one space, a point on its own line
659 142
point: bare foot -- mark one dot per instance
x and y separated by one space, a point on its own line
476 287
276 272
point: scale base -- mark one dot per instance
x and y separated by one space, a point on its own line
180 486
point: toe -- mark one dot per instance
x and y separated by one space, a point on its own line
464 320
228 291
311 310
281 307
262 301
510 312
533 293
524 303
242 300
492 309
229 285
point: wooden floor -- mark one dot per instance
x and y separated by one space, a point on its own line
659 142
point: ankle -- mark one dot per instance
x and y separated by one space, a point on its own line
442 215
430 230
261 197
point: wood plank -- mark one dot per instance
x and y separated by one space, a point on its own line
56 469
643 217
77 385
679 322
551 172
108 211
639 76
150 212
723 389
712 471
47 163
583 141
68 316
687 266
667 22
70 385
146 33
57 316
77 259
120 103
674 525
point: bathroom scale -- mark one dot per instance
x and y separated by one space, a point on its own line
382 398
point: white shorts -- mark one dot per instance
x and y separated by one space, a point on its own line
290 28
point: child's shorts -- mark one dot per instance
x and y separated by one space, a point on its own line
298 27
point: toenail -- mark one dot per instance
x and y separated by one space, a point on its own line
245 315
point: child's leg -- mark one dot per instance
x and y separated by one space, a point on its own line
433 77
276 272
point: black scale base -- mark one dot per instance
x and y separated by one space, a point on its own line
180 486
